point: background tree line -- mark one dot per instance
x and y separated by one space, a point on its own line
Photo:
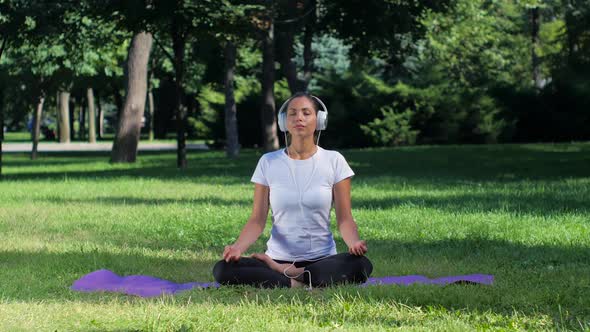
391 72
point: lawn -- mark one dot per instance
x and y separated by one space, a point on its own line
519 212
25 137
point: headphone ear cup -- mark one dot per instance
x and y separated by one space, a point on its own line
283 121
322 120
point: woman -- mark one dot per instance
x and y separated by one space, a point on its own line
300 183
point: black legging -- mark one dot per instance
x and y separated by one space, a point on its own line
336 269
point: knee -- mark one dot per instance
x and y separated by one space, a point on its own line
366 266
363 267
221 271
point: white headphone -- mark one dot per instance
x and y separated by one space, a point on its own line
322 114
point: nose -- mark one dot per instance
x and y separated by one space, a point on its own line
299 117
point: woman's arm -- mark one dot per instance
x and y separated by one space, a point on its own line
346 224
253 228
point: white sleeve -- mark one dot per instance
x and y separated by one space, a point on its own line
259 173
341 169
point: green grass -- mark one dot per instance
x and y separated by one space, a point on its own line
519 212
17 137
25 137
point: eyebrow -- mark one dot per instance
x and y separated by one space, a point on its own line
303 108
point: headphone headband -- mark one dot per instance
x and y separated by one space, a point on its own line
324 108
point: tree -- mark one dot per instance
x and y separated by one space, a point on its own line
20 20
128 129
377 29
64 116
178 22
231 125
91 116
237 27
286 27
37 66
268 116
310 23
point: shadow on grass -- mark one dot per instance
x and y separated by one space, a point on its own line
204 167
528 203
548 202
439 164
537 278
120 200
531 203
475 162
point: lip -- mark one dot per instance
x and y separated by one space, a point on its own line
299 126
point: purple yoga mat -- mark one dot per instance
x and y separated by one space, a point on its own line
140 285
146 286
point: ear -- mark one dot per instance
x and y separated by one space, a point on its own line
282 121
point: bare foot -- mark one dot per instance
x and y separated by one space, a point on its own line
296 284
291 270
288 269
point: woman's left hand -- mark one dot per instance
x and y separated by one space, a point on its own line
359 248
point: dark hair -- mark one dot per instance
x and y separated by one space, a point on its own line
309 97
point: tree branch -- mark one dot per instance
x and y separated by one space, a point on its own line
4 40
166 53
295 19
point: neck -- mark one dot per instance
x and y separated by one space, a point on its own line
302 149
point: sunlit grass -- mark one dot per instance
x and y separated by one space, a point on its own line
520 212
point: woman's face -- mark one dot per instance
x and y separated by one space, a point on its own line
301 117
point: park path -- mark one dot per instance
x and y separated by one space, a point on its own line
99 146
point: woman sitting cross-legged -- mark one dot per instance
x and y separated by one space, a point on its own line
299 185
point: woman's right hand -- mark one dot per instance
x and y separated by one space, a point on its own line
231 253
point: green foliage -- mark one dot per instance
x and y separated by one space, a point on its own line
61 49
465 54
353 99
394 129
392 72
249 59
208 123
330 55
476 43
374 28
211 102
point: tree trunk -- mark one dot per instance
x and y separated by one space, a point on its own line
119 104
72 117
100 118
91 116
150 120
3 45
307 40
37 125
151 115
1 126
535 44
231 121
570 34
82 121
268 117
64 117
128 129
178 45
286 52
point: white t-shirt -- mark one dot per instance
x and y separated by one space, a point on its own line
300 201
